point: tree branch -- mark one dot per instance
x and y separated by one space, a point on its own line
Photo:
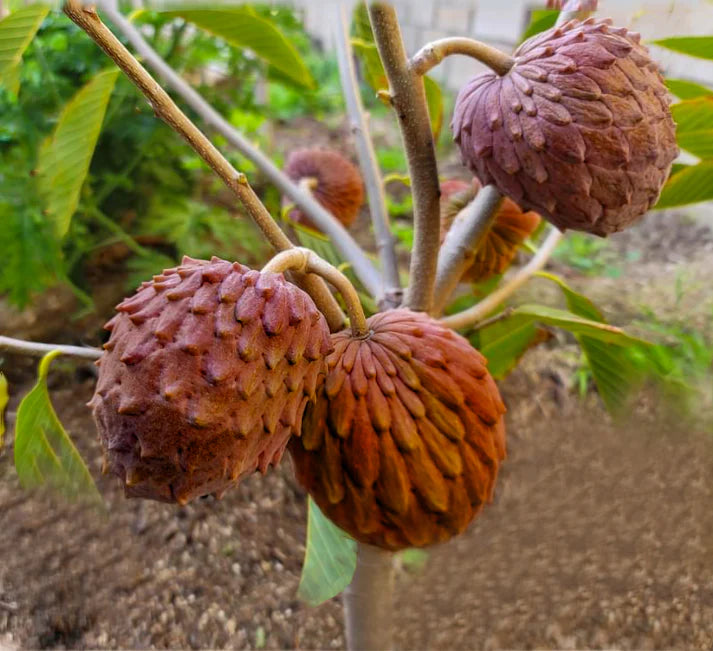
481 310
367 161
343 241
166 109
464 238
21 347
408 97
431 54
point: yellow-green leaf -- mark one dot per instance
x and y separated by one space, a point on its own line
64 158
4 397
434 98
505 342
242 27
16 32
691 185
694 125
330 559
684 89
695 46
44 453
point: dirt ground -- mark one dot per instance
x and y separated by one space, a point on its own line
601 535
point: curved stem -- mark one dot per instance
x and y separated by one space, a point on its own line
367 161
464 238
167 110
431 54
481 310
408 97
37 349
307 261
343 241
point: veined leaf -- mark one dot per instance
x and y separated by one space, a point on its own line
373 69
16 32
695 46
540 20
434 98
318 242
44 453
4 397
242 27
64 158
503 343
694 130
684 89
576 302
690 185
330 559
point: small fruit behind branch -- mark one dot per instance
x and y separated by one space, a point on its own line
512 226
403 445
333 180
205 377
578 130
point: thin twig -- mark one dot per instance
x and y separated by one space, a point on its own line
342 240
464 238
408 97
431 54
167 110
501 316
307 261
37 349
367 161
481 310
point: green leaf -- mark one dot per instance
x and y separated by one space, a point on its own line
695 46
16 32
504 342
540 20
694 130
576 302
690 185
330 559
64 158
44 453
684 89
434 98
319 243
4 397
242 27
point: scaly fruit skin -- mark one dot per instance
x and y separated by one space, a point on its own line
339 186
512 226
579 130
205 377
403 445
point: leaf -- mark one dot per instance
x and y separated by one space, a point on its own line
64 158
434 98
695 46
690 185
576 302
44 453
16 32
503 343
694 125
373 69
684 89
318 242
242 27
540 20
4 397
330 559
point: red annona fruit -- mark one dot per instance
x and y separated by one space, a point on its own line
205 377
512 226
336 183
403 445
579 130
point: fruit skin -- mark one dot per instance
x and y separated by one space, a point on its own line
205 377
403 445
339 186
579 130
509 230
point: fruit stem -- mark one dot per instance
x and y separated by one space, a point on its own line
431 54
465 236
490 303
368 163
369 601
34 348
408 98
307 261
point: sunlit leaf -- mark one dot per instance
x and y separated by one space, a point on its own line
695 46
4 397
684 89
690 185
44 453
694 125
242 27
330 559
540 20
64 158
434 97
16 32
